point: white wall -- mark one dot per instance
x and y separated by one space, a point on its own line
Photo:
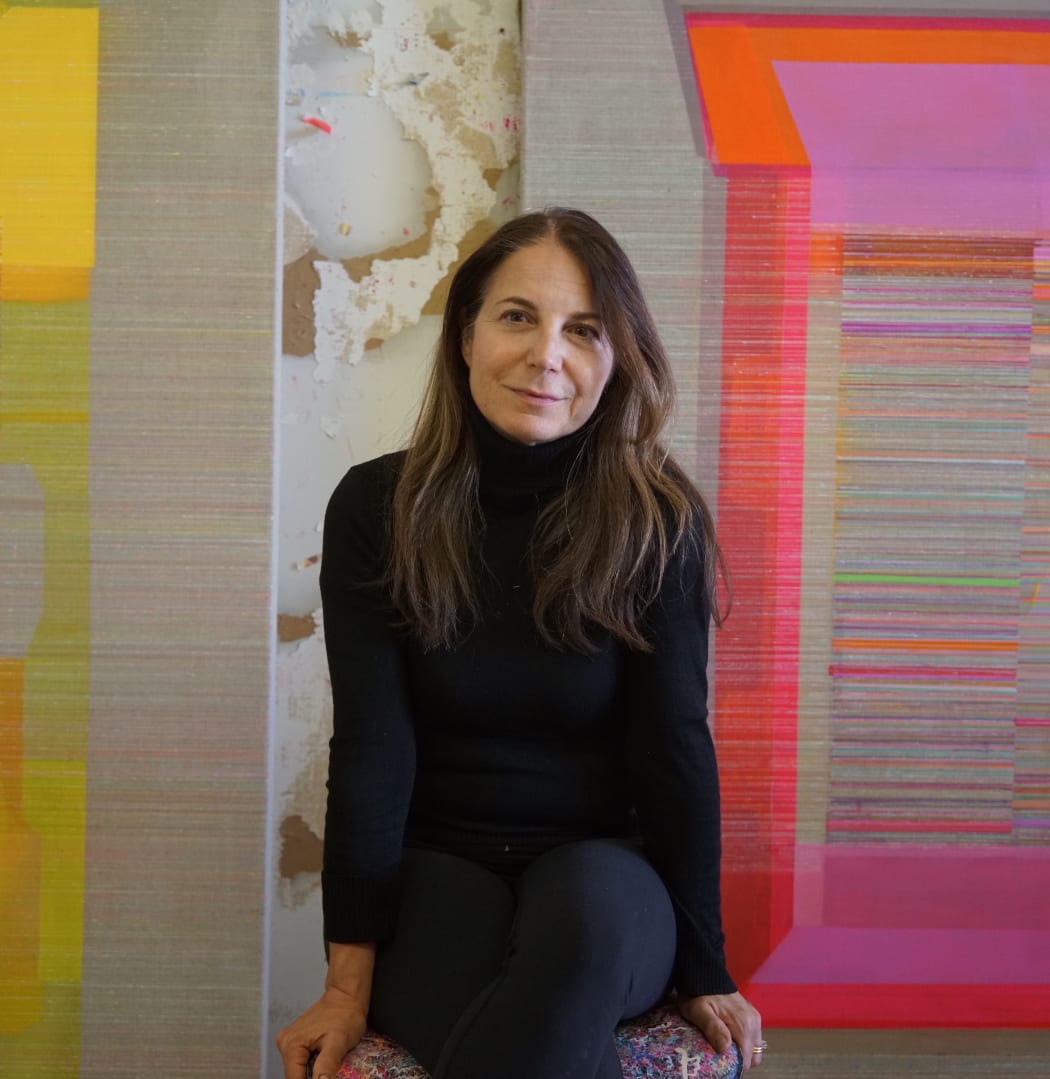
422 99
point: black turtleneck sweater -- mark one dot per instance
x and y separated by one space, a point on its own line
503 748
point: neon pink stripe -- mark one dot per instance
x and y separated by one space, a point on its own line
900 885
819 955
864 22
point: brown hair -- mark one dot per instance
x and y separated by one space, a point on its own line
627 506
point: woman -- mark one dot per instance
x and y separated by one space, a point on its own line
522 836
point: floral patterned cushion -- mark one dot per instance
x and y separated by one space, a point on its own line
378 1057
657 1045
662 1045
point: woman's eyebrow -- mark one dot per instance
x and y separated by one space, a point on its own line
520 301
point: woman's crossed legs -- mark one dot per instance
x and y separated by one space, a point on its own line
526 980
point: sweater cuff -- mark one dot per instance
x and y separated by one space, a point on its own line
696 976
360 910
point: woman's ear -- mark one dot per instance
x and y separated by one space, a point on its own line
466 343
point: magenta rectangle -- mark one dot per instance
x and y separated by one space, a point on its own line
987 957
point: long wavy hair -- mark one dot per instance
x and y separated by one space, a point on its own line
627 505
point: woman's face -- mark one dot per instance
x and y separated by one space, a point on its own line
538 355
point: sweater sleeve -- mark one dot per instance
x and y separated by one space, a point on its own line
372 751
671 757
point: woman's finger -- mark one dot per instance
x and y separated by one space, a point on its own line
717 1033
295 1058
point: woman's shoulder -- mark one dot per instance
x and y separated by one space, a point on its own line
355 523
368 485
357 517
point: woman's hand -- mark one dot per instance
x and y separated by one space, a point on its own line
726 1018
330 1028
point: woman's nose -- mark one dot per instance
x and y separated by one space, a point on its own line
547 352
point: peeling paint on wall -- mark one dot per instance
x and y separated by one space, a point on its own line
301 281
402 121
402 130
292 627
302 848
436 85
304 703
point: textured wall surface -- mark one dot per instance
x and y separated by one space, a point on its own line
401 141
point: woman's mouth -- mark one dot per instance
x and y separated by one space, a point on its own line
535 398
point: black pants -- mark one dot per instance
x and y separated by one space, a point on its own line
524 979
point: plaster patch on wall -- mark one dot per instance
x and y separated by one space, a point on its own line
292 627
447 72
297 318
301 278
299 234
302 850
341 18
302 763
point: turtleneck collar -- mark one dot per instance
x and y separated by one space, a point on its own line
513 473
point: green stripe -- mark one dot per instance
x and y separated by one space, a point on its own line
906 578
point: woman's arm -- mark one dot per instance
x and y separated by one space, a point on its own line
372 751
671 759
676 794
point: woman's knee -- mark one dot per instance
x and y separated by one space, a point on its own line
604 877
595 906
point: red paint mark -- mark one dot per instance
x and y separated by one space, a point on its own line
321 125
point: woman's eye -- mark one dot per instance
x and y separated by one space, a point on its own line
589 333
514 316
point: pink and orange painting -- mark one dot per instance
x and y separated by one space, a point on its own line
883 684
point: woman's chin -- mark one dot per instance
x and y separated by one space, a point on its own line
533 434
532 429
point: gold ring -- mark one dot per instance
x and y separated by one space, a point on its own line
760 1049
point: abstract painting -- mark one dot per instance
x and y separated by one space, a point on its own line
883 683
48 87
